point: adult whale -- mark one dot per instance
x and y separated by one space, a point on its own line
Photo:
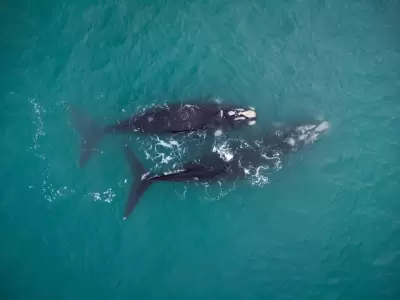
169 118
213 167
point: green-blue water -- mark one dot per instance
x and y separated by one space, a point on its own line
327 226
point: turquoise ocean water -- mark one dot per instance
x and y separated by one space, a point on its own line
325 226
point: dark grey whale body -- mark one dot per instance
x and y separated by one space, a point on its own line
212 167
170 118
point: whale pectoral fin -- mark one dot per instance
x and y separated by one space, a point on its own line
136 166
136 192
141 183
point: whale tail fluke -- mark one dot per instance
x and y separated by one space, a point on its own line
139 185
90 132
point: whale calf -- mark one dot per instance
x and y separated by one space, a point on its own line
213 167
170 118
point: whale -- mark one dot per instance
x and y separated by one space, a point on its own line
212 166
170 118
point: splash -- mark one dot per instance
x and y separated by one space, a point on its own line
257 178
183 195
50 191
38 123
170 144
217 190
164 151
165 159
106 196
224 151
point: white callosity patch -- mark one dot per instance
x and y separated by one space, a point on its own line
250 114
324 126
241 114
218 132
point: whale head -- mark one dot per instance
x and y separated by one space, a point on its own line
292 137
241 116
305 134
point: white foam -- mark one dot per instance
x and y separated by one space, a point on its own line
164 158
174 143
169 144
216 192
258 179
291 141
106 196
218 132
164 144
228 156
224 152
38 122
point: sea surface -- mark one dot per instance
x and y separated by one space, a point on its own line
325 225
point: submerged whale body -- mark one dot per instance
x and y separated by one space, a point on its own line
166 119
213 167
